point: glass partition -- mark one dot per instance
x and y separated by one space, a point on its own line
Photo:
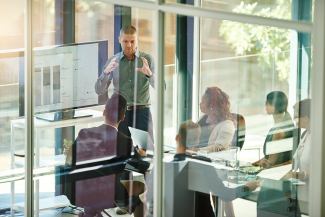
278 9
93 107
246 149
12 184
237 107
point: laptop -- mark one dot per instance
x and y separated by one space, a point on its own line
142 139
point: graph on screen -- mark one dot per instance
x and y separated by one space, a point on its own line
65 77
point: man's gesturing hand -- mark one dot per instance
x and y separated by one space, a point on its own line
111 66
145 68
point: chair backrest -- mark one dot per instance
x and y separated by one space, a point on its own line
239 136
99 162
92 186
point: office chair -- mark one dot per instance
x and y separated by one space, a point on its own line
239 136
91 176
91 185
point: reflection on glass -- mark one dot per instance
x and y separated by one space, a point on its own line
279 9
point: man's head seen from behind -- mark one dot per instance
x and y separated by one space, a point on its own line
115 109
188 134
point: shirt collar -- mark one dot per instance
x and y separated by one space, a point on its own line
111 126
137 53
179 157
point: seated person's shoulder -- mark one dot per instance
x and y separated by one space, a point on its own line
90 132
123 136
279 134
228 124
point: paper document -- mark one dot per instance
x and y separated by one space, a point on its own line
229 155
244 164
275 173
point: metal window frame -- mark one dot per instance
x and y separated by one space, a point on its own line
29 108
317 150
196 65
160 8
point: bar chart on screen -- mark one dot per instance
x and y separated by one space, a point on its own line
65 77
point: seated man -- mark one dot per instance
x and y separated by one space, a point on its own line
105 141
187 137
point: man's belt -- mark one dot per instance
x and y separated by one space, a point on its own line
137 107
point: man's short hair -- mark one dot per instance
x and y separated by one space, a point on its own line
188 134
303 108
115 108
128 30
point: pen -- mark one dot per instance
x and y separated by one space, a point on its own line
270 163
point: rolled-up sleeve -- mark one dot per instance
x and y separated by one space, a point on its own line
152 69
103 81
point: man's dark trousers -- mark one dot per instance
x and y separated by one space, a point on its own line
140 119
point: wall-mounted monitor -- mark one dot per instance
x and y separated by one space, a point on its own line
65 77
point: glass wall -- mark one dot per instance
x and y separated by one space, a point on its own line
236 109
278 9
80 157
12 187
246 149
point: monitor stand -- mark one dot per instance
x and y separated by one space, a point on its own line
63 115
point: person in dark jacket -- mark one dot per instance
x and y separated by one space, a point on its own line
102 142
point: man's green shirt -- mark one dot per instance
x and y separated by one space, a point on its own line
132 84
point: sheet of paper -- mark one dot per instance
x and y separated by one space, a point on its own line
275 173
231 185
244 164
229 155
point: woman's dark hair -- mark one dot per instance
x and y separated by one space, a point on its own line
303 107
279 101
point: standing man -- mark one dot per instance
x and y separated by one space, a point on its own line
131 71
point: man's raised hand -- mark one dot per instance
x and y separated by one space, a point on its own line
145 68
111 66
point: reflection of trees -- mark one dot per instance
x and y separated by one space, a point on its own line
271 42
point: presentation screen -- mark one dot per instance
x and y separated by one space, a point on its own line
65 76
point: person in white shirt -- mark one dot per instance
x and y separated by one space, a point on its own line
216 105
302 155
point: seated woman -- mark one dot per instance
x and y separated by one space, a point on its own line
274 193
215 105
217 127
301 156
276 104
